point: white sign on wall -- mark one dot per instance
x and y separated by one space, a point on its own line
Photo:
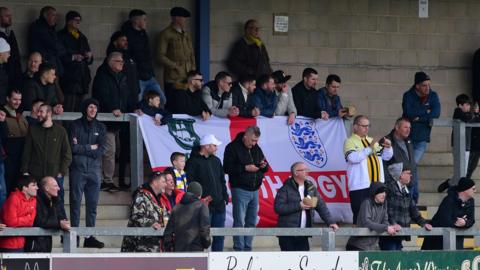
283 260
423 8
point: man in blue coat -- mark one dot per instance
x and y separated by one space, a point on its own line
420 105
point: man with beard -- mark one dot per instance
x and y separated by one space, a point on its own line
189 101
17 127
47 151
218 97
14 68
146 211
87 139
305 94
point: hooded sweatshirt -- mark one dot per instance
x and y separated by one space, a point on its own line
372 215
189 226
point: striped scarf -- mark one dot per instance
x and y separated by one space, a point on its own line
180 180
373 164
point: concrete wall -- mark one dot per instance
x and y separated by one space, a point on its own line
374 45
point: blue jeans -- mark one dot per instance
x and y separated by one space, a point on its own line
390 243
245 211
88 183
151 84
3 185
217 220
419 149
61 195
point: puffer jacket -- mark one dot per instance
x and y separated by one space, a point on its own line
287 205
218 104
189 226
17 211
235 158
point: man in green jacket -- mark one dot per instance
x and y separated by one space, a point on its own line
47 151
175 50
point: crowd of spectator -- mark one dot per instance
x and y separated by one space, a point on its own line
191 196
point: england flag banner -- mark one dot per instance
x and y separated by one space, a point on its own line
318 143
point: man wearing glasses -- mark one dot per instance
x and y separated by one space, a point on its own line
218 97
189 101
363 164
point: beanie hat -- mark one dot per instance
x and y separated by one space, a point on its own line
4 47
87 103
72 15
421 77
465 184
376 188
195 188
136 13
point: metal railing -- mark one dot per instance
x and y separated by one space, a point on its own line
327 235
136 140
459 145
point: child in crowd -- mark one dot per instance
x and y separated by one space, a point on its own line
150 105
178 166
464 113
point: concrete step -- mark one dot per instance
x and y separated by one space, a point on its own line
108 198
437 159
107 212
434 199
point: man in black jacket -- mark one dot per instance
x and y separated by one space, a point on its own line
241 93
87 140
245 165
204 167
48 216
294 204
188 229
76 80
43 38
14 67
110 88
305 95
139 49
189 101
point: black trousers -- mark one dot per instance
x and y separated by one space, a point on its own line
356 199
293 243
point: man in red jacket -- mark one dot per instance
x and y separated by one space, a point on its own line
19 210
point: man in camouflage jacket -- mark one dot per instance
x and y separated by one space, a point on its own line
146 211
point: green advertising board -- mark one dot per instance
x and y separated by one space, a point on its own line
420 260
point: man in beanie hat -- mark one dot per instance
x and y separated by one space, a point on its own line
139 50
188 229
285 103
4 55
87 140
175 50
14 67
457 210
372 215
206 168
420 105
76 80
401 207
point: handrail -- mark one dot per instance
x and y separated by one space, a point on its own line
328 236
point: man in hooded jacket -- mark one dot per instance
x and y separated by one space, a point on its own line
87 140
